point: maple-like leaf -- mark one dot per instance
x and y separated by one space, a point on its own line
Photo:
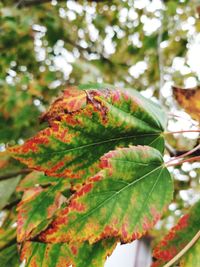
84 125
37 208
123 200
178 237
189 99
36 178
62 254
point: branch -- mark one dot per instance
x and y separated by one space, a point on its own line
183 251
27 3
11 175
12 204
160 57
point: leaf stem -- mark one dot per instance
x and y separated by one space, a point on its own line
168 164
185 154
184 250
183 131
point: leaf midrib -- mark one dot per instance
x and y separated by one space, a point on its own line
117 192
101 142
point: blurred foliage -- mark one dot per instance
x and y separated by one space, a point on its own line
146 45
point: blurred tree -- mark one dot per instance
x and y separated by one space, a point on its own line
142 44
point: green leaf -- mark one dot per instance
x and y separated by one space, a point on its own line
84 125
123 200
8 228
36 178
178 237
192 257
9 257
37 208
7 188
61 254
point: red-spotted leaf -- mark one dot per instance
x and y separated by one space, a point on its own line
79 135
123 200
178 237
61 254
71 100
37 207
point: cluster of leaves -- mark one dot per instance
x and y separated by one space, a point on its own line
100 179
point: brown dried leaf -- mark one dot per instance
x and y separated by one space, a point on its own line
189 99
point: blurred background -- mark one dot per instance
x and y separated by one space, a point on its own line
46 46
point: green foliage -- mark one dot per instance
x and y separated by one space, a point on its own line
9 256
192 257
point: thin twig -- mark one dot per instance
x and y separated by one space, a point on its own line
183 131
27 3
12 204
168 164
183 251
170 149
170 114
11 175
186 153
